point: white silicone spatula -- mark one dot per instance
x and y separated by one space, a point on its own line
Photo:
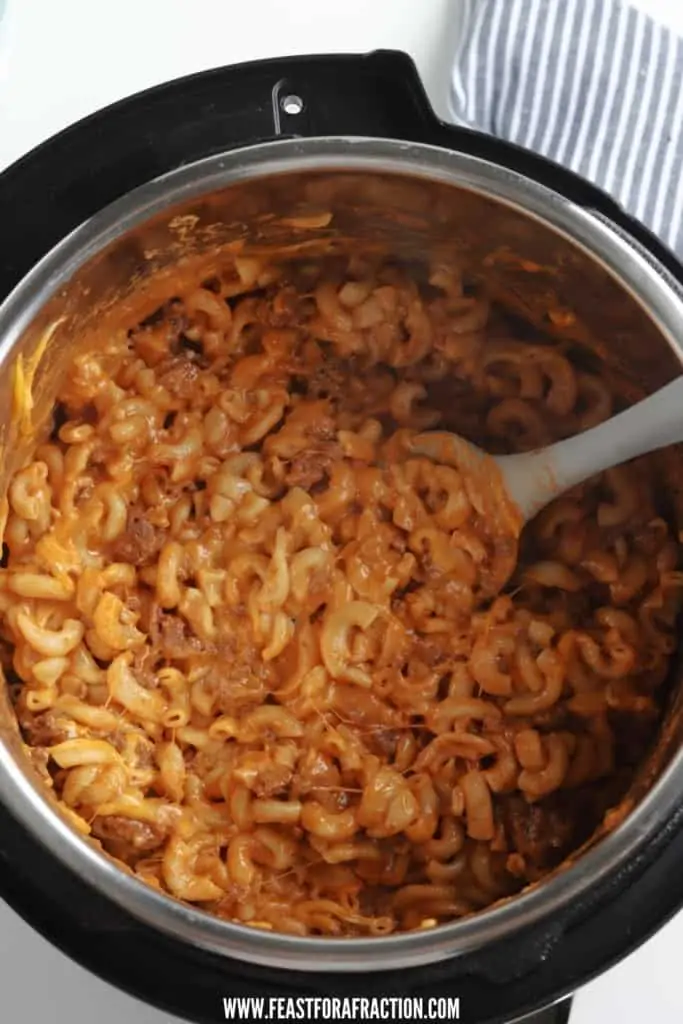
533 479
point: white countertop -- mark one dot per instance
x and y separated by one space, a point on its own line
63 59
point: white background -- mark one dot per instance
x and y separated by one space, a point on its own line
63 59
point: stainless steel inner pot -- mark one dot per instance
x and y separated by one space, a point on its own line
536 250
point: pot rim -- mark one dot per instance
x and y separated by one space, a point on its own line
635 270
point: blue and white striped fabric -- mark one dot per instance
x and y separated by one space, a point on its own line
595 85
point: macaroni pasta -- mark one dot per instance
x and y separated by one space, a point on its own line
255 643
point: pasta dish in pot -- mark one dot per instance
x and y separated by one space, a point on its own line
258 648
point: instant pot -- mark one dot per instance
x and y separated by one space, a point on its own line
257 152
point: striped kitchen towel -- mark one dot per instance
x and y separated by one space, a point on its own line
595 85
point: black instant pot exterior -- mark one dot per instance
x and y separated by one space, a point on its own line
46 195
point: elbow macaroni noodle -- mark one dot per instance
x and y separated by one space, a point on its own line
253 641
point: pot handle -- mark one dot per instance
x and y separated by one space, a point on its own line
378 94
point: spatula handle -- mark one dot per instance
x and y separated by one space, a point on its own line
535 478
